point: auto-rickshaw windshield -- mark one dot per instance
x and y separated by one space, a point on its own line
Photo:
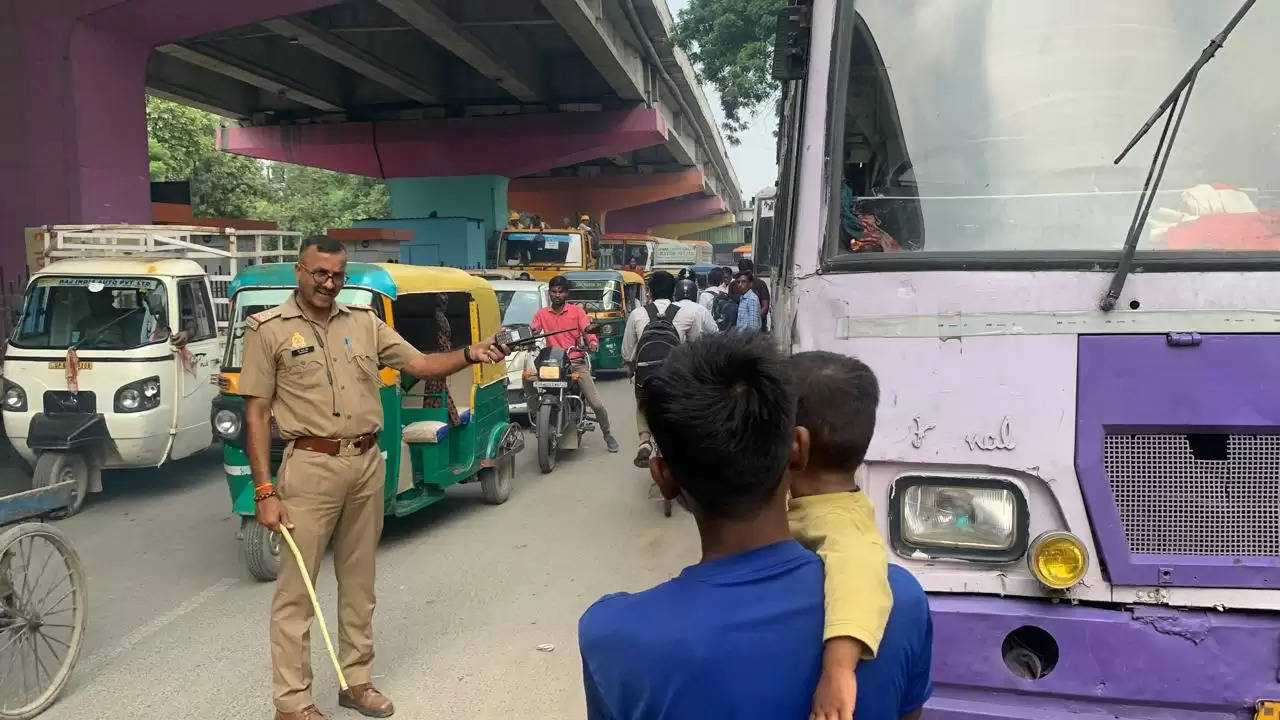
94 313
518 306
596 295
548 247
248 302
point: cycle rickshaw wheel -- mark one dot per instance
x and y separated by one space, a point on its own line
42 617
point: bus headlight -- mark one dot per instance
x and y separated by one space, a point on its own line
226 423
1058 559
15 398
963 518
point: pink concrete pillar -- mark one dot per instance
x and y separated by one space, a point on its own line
73 138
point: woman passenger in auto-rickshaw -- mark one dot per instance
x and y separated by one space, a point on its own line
436 434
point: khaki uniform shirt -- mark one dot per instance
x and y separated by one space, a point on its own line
322 382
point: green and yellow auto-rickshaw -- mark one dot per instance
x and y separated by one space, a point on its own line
425 453
608 296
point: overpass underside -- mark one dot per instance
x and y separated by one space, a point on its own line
567 105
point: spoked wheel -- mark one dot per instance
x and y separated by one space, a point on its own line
43 606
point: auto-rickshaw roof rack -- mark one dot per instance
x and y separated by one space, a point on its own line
169 241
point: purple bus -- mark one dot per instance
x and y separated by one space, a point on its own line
1087 484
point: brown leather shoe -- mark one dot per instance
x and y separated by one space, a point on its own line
310 712
366 700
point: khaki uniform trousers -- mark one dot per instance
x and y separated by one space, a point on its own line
327 497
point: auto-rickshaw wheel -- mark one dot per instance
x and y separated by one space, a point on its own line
56 467
43 609
495 482
261 550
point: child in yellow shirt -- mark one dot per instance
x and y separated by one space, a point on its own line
829 514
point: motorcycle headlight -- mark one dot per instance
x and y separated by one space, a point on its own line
15 398
226 423
963 518
549 372
138 396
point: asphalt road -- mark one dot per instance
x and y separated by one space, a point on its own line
466 591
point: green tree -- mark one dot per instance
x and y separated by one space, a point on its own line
730 43
310 200
177 138
180 142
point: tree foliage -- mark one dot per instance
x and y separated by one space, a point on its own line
180 142
311 200
730 43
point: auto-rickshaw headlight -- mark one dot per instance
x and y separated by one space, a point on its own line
226 423
15 398
607 330
138 396
129 399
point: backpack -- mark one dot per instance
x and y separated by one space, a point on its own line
724 311
657 340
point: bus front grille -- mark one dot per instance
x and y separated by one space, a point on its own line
1196 494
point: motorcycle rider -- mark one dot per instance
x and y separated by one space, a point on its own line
563 315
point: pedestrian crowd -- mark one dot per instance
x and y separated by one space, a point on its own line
793 610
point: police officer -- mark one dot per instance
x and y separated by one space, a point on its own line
312 363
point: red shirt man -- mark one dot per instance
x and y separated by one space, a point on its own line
562 315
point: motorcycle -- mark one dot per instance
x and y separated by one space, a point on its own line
561 417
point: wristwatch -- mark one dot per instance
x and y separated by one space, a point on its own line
466 355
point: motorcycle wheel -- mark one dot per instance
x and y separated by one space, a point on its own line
548 438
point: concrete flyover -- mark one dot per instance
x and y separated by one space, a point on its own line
455 102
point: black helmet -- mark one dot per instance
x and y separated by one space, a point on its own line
686 290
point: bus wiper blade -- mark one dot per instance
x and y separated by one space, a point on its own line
1180 96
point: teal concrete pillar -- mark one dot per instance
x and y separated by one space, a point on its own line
478 197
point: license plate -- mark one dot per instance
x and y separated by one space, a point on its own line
1267 710
550 384
62 365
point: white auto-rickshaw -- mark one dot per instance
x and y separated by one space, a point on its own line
113 359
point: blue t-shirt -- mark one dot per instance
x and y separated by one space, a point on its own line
741 637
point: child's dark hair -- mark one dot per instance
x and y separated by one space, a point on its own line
837 399
722 410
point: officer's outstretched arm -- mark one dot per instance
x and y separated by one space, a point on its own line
436 366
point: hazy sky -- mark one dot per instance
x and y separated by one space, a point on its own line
753 160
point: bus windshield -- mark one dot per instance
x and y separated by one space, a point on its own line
615 255
545 247
248 302
978 126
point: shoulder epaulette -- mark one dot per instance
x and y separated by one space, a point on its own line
256 319
361 306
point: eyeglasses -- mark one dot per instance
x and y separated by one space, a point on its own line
322 276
